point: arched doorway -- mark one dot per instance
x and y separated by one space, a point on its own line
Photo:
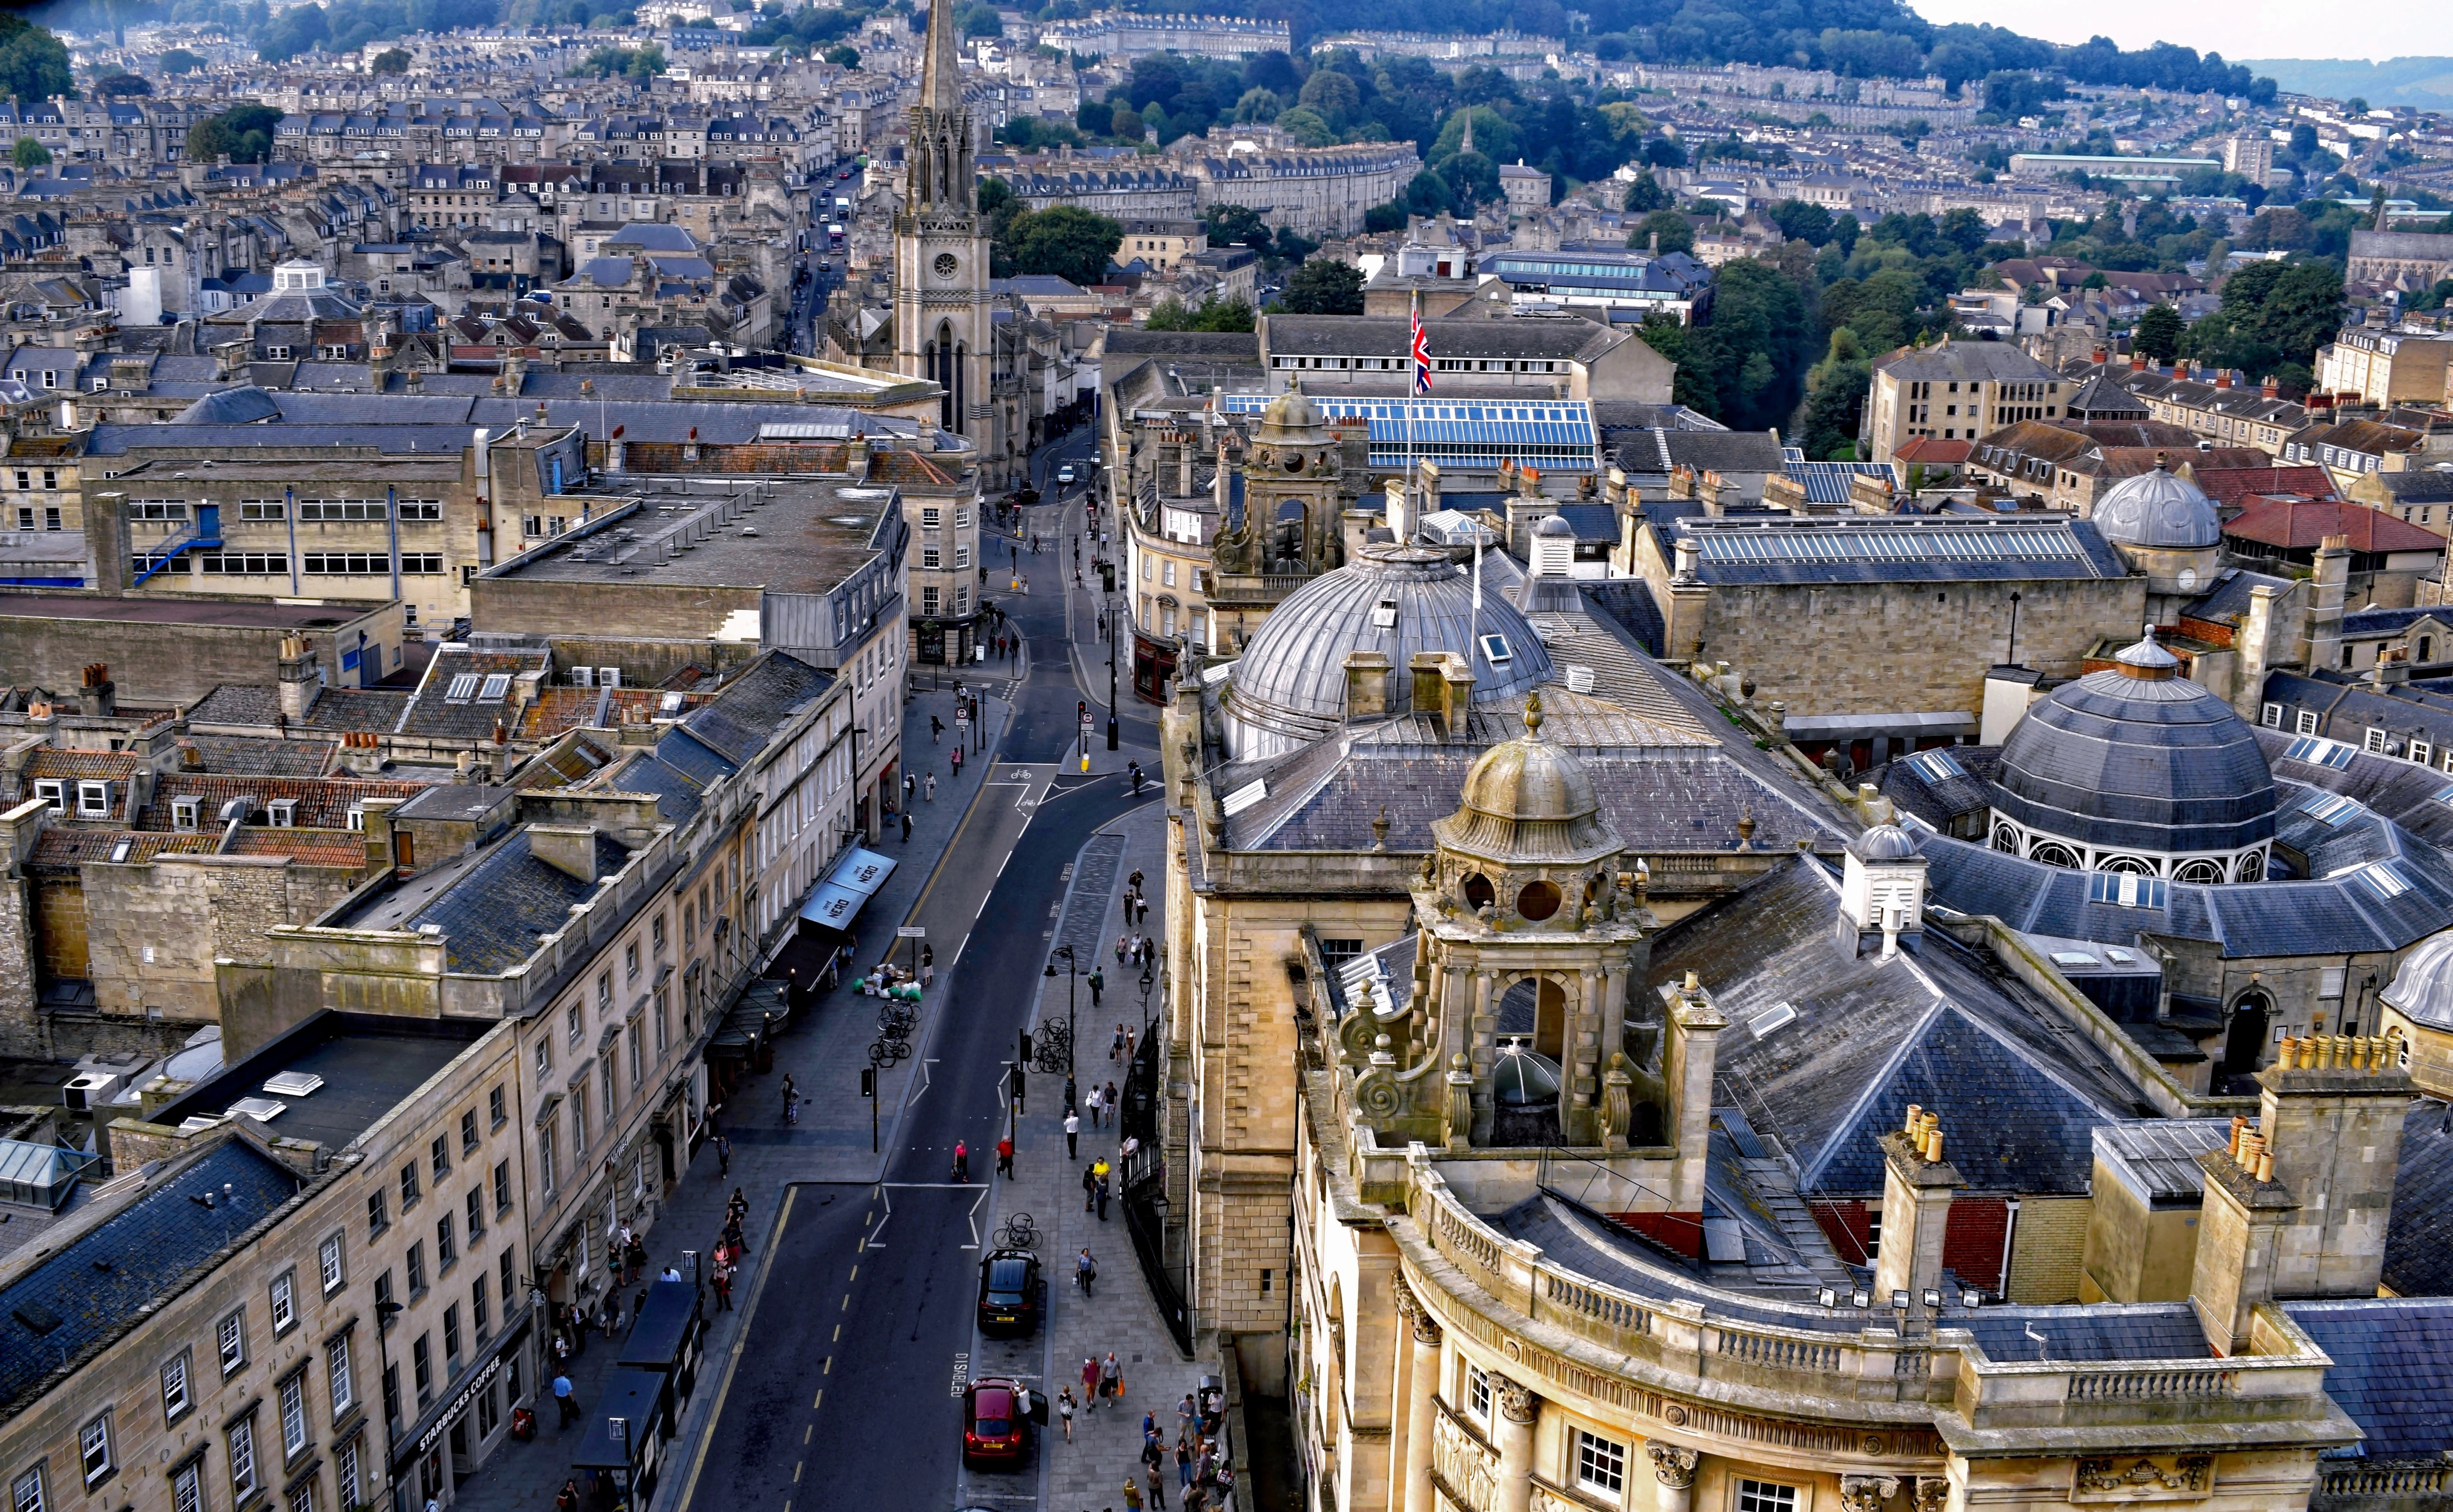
2244 1042
1288 545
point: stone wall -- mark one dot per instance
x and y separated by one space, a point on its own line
153 932
21 1028
641 610
1893 647
2047 1254
159 659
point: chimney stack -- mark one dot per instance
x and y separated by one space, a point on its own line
97 696
1917 1187
298 682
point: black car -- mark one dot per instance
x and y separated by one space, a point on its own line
1012 1293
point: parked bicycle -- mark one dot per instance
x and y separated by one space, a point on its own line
1018 1232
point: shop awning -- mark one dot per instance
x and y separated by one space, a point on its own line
836 902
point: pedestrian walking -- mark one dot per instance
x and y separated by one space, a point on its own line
962 1162
1069 1104
723 1288
1120 950
723 1156
1090 1186
1091 1104
1184 1419
1134 881
1107 1100
1086 1270
910 786
1183 1459
957 756
936 727
1090 1383
1116 1047
1132 1495
907 824
612 1314
1155 1485
929 788
1005 1157
566 1500
1065 1412
1098 984
1072 1136
1111 1378
565 1401
789 1092
1130 1035
1102 1191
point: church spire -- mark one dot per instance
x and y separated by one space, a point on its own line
941 74
1466 146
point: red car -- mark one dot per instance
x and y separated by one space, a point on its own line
997 1415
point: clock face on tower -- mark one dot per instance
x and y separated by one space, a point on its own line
946 265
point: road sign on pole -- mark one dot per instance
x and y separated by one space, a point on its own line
911 931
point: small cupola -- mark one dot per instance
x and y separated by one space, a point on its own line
1882 893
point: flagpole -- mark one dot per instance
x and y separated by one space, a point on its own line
1413 383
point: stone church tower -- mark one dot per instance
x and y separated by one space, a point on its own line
942 331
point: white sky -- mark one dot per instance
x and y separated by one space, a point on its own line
2243 29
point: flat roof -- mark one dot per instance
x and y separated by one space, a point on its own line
806 538
270 615
370 1063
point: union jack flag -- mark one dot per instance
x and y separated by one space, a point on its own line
1422 350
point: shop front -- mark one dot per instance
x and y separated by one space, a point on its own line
467 1422
1154 665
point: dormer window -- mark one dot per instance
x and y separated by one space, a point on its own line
51 791
186 813
94 800
356 818
281 813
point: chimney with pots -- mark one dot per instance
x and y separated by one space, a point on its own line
97 696
297 679
2297 1203
1916 1186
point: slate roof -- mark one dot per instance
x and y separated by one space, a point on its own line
433 711
1469 336
2018 1089
493 913
1628 601
746 712
242 755
1963 361
2231 486
2392 1370
98 1284
2418 1237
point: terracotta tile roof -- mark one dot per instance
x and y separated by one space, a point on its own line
324 803
2227 485
907 467
2292 525
51 761
341 849
66 846
1933 450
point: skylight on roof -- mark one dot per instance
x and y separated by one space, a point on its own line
497 684
2124 889
462 688
2318 751
1936 765
2333 809
2383 879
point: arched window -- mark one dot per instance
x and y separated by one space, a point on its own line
2204 873
2005 838
2134 866
1477 890
2053 853
2250 867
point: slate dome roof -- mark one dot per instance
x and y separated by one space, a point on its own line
2159 509
1289 687
1529 800
1883 842
2424 987
2138 757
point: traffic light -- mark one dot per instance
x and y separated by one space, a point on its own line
869 1080
1025 1059
1082 709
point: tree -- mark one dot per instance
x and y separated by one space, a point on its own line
2355 106
1211 314
30 154
1324 288
1644 194
243 134
1798 221
1236 225
1333 95
1426 194
1067 241
390 60
1835 397
178 61
1473 179
1306 126
122 85
33 65
2158 335
1676 234
300 28
1392 217
844 55
1259 106
2273 317
1291 247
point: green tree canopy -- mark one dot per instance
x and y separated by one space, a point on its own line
33 65
2273 317
1306 126
844 55
1676 234
179 60
1324 288
1333 95
1260 104
1067 241
30 154
243 132
391 60
122 85
2158 335
1211 314
1644 194
1802 222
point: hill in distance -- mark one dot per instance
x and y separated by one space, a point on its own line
2425 84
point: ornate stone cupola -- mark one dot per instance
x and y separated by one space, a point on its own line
1882 893
1517 1029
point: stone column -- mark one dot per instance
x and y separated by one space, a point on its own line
1512 1489
1673 1473
1414 1448
1613 1012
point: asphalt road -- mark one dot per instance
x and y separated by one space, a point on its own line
847 1392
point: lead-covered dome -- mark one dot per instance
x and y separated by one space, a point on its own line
2422 989
1530 803
2133 768
1289 687
2159 509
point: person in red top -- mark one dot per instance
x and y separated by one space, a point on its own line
1004 1159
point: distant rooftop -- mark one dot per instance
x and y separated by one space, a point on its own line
369 1064
808 537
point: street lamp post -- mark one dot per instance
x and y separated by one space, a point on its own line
1112 638
385 1313
1072 969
